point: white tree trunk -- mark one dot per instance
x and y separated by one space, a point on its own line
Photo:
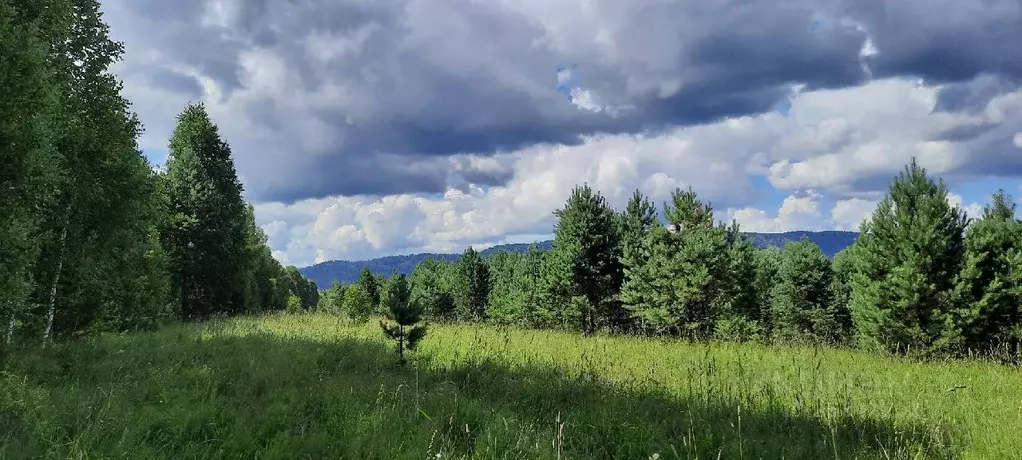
53 288
10 330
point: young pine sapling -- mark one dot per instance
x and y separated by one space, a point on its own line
404 316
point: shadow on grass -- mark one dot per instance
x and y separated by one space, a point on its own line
172 395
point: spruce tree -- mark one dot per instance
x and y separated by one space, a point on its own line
403 315
907 258
206 232
989 286
584 267
802 300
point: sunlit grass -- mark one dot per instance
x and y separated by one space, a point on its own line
316 387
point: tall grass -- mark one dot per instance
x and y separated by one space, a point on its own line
316 387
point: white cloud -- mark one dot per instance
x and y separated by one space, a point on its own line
835 155
850 214
1018 140
971 209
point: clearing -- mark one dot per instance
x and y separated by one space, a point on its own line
315 387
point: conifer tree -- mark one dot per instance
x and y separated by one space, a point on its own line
585 262
637 220
739 314
206 233
429 291
989 286
843 265
802 300
907 257
371 285
681 289
473 286
768 260
404 316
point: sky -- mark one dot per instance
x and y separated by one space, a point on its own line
364 128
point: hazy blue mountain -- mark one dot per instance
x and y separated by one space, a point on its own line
346 271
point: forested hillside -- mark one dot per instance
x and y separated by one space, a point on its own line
91 237
345 271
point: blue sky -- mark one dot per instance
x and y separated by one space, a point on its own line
370 129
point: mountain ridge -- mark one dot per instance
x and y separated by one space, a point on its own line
348 271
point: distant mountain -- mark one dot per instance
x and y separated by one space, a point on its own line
345 271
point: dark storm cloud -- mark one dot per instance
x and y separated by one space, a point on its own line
947 40
974 95
422 80
176 82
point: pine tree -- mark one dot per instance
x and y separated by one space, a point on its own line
636 221
206 233
989 286
907 257
403 315
682 288
767 261
801 307
740 317
429 290
473 286
843 265
371 285
585 261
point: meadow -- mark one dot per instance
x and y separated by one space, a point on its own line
316 387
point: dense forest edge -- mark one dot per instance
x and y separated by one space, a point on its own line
348 271
93 238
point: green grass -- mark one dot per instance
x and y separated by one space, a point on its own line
313 387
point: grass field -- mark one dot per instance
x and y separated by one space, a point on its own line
313 387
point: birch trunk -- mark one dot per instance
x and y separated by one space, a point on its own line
56 281
10 330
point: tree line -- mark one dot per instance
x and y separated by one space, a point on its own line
922 278
91 237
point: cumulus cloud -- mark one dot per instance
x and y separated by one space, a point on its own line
322 98
850 128
373 128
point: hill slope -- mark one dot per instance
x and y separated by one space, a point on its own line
346 271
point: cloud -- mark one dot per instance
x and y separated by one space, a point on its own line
847 136
972 210
322 98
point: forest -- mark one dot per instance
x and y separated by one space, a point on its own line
92 238
145 317
922 279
